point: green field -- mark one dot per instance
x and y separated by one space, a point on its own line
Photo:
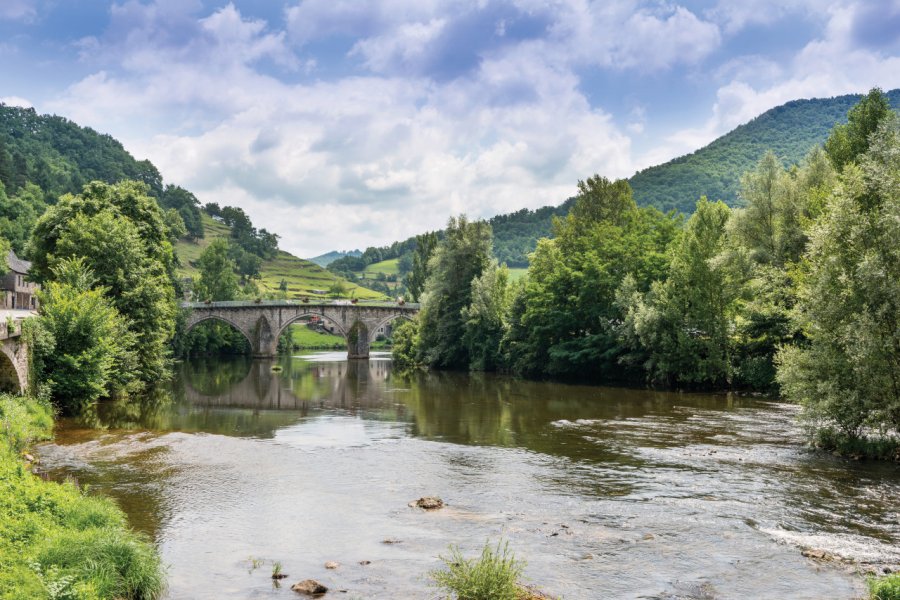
304 337
388 267
301 275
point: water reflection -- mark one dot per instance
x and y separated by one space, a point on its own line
314 459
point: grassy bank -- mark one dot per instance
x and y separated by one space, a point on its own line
55 541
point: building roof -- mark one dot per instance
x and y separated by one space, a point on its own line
17 264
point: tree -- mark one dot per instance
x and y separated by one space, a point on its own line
119 232
850 140
847 376
418 273
568 320
683 323
460 257
91 353
484 318
217 279
174 225
337 289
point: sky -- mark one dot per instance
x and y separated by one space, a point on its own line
342 124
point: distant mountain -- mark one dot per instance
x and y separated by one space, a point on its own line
323 260
714 171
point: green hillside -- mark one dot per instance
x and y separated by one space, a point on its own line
714 171
323 260
302 276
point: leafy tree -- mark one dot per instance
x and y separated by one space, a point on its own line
120 233
848 374
484 318
684 322
461 257
337 289
91 354
567 320
174 225
217 279
188 207
850 140
405 349
418 273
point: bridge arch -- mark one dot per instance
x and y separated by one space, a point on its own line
373 332
203 319
293 320
10 379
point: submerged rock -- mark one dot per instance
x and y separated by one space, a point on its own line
817 554
428 503
310 587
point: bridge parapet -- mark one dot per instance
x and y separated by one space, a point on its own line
263 322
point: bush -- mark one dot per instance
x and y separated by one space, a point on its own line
885 588
493 576
23 421
55 542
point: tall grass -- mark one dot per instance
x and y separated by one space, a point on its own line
885 588
56 542
492 576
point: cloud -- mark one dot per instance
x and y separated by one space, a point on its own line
830 65
18 10
15 101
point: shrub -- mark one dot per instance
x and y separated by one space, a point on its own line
492 576
885 588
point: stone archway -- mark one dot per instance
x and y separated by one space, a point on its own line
375 331
10 379
217 318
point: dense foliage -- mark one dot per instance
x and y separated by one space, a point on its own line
796 292
119 233
89 351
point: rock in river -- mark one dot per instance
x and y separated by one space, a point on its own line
310 587
428 503
331 565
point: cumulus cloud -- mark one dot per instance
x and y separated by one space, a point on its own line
830 65
418 110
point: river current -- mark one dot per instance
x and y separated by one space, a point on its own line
604 492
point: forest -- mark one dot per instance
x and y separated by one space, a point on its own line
795 293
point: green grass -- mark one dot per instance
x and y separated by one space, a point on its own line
493 576
305 338
301 275
56 542
885 588
388 267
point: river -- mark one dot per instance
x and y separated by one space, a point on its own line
604 492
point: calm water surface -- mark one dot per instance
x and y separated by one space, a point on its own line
605 492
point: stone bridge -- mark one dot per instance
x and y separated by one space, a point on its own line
13 351
263 322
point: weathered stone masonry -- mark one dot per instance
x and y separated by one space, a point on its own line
263 323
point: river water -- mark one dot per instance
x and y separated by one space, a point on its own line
604 492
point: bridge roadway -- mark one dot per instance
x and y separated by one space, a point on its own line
263 322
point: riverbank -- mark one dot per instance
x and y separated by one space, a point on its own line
56 541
